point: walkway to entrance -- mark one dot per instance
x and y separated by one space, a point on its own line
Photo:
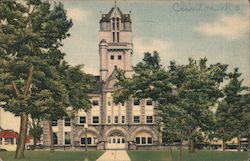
114 155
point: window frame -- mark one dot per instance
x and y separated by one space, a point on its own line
139 119
68 122
95 102
116 120
147 120
84 119
123 119
94 120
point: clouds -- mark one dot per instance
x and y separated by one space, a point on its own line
164 47
229 27
78 15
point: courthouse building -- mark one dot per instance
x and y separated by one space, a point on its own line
108 125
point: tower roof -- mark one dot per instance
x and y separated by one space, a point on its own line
107 17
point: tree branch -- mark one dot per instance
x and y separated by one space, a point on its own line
15 88
28 83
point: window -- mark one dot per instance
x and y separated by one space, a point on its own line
150 119
82 119
54 122
115 67
113 23
136 102
95 102
149 102
136 119
113 36
150 140
119 57
95 119
118 37
117 24
55 138
112 57
138 140
67 138
109 119
88 140
143 140
67 121
1 141
116 119
123 140
123 119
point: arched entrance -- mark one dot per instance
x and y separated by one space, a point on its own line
116 141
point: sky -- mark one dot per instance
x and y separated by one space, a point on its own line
177 29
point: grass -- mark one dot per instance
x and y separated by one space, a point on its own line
198 156
57 156
134 155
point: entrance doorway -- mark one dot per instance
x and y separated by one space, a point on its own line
116 141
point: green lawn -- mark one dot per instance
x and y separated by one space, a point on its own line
134 155
198 156
57 156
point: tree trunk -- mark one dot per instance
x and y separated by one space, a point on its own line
223 145
180 154
22 136
171 154
192 146
52 148
239 144
35 142
24 117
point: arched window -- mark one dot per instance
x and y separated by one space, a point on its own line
113 23
118 37
117 23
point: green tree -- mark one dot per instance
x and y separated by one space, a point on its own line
29 33
197 89
231 110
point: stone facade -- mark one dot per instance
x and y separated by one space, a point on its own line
108 125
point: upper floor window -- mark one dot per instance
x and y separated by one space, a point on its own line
118 36
149 119
109 119
119 57
95 102
82 119
149 102
67 121
113 36
113 23
136 119
95 120
136 102
112 57
54 122
117 24
116 120
123 119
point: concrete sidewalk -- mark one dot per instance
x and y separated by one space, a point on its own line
114 155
